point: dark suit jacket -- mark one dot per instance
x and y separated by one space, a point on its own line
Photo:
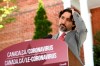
75 38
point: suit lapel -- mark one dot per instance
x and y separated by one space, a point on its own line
67 37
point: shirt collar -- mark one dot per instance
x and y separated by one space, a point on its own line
60 32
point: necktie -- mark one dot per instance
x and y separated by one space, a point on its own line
62 37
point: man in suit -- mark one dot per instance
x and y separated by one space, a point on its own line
73 29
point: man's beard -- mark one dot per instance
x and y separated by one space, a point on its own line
63 27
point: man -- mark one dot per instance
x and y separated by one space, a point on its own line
72 26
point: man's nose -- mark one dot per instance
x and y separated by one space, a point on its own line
63 22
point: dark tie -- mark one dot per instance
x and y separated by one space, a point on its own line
62 37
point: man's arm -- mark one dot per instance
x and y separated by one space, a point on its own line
80 27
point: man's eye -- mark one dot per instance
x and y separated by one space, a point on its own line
68 19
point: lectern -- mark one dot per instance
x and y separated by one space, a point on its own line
42 52
73 61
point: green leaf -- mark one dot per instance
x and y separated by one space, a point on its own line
1 0
96 49
42 24
9 20
1 26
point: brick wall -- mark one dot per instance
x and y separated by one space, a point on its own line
23 28
95 20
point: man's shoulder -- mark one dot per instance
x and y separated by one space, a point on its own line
73 31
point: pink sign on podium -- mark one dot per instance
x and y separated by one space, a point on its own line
42 52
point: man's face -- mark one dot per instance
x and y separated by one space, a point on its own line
65 23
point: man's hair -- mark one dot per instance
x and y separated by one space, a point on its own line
71 17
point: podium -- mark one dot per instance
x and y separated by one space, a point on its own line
42 52
73 61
